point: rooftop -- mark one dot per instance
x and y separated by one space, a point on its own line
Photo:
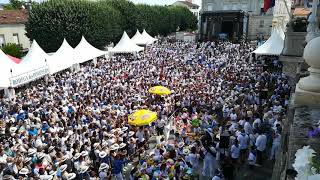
189 4
13 16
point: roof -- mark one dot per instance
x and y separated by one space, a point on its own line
274 45
189 4
301 12
13 16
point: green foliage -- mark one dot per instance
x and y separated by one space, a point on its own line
12 49
101 22
13 4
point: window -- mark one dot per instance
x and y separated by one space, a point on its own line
2 41
261 23
16 38
210 6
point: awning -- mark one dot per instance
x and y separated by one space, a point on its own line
126 45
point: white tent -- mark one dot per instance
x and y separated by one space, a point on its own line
139 39
274 45
6 65
32 66
126 45
62 59
85 51
149 38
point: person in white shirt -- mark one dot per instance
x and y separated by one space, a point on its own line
235 152
243 145
275 145
247 127
261 144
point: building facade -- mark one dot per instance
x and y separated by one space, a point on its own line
236 18
12 28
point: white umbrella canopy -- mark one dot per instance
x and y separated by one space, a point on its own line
139 39
274 45
63 59
126 45
85 51
149 38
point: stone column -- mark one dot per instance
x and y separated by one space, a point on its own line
308 88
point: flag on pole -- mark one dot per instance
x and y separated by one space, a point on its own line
268 4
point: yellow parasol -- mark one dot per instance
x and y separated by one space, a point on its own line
142 117
159 90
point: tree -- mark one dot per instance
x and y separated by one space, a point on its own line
12 49
52 21
14 4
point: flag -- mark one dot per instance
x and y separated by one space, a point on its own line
268 4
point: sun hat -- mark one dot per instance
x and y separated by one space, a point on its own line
46 177
71 176
103 166
63 167
131 133
76 156
124 129
84 153
84 169
122 145
114 147
31 151
24 171
102 154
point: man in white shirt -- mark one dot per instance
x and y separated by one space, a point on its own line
261 144
275 145
243 145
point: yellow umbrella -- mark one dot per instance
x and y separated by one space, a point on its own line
159 90
142 117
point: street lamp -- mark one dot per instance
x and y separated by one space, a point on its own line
313 26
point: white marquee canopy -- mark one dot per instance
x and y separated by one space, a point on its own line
126 45
139 39
274 45
85 51
32 66
149 38
6 65
63 59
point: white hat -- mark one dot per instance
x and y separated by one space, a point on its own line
124 129
84 153
50 148
63 167
84 169
31 151
71 176
52 172
76 156
27 159
41 155
46 177
64 158
13 130
103 166
131 133
114 147
102 154
122 145
95 145
24 171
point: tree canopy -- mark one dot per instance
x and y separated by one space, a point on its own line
101 22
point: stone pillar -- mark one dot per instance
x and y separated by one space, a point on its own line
308 88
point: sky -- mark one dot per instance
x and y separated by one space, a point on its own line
151 2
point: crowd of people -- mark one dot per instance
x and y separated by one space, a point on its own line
224 112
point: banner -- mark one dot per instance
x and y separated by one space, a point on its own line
29 76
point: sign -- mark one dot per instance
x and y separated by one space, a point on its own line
29 76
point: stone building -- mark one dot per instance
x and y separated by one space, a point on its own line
238 18
194 8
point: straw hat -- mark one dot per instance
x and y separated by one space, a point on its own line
24 171
76 156
84 169
13 130
103 166
114 147
131 133
27 159
31 152
71 176
63 167
46 177
102 154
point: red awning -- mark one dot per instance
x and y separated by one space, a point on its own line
14 59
